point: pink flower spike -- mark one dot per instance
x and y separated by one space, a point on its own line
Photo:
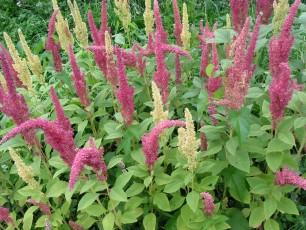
173 49
88 156
75 226
239 13
51 46
44 208
159 23
4 215
178 70
208 203
177 23
78 79
95 34
264 7
60 139
125 93
62 120
287 176
150 144
203 139
104 27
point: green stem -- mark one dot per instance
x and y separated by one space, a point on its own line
298 156
113 208
92 124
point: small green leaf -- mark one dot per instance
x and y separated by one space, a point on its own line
209 69
108 221
123 179
82 126
270 206
114 161
276 145
261 189
240 160
257 217
286 205
28 218
231 145
135 189
286 137
95 210
274 160
193 200
148 181
118 194
174 186
57 189
87 200
161 201
271 225
119 39
149 221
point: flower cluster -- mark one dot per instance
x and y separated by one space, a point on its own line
123 12
280 11
148 17
265 9
185 35
208 203
158 113
88 156
4 215
287 176
44 208
239 10
150 144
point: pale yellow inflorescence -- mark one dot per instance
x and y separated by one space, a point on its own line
33 60
80 28
62 29
148 16
185 35
25 172
228 22
3 82
187 142
158 113
108 45
20 65
280 12
124 13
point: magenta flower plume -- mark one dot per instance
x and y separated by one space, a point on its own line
52 46
62 120
239 10
13 104
125 93
75 226
177 23
287 176
178 70
150 144
59 138
159 23
10 62
78 79
280 91
203 139
239 74
44 208
279 48
104 27
4 215
265 9
208 203
88 156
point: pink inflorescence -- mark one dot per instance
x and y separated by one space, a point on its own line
150 144
203 139
159 23
239 10
177 23
125 93
88 156
287 176
4 215
242 69
13 104
75 226
208 203
265 9
42 206
78 79
52 46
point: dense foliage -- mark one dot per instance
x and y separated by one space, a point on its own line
133 120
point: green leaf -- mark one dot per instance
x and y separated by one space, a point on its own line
270 206
261 189
240 121
130 216
202 103
108 221
231 145
174 186
149 221
299 122
57 189
28 218
209 69
82 126
286 205
274 160
161 201
271 225
240 160
276 145
95 210
119 39
118 194
123 179
286 137
114 161
257 217
193 200
135 189
87 200
211 151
